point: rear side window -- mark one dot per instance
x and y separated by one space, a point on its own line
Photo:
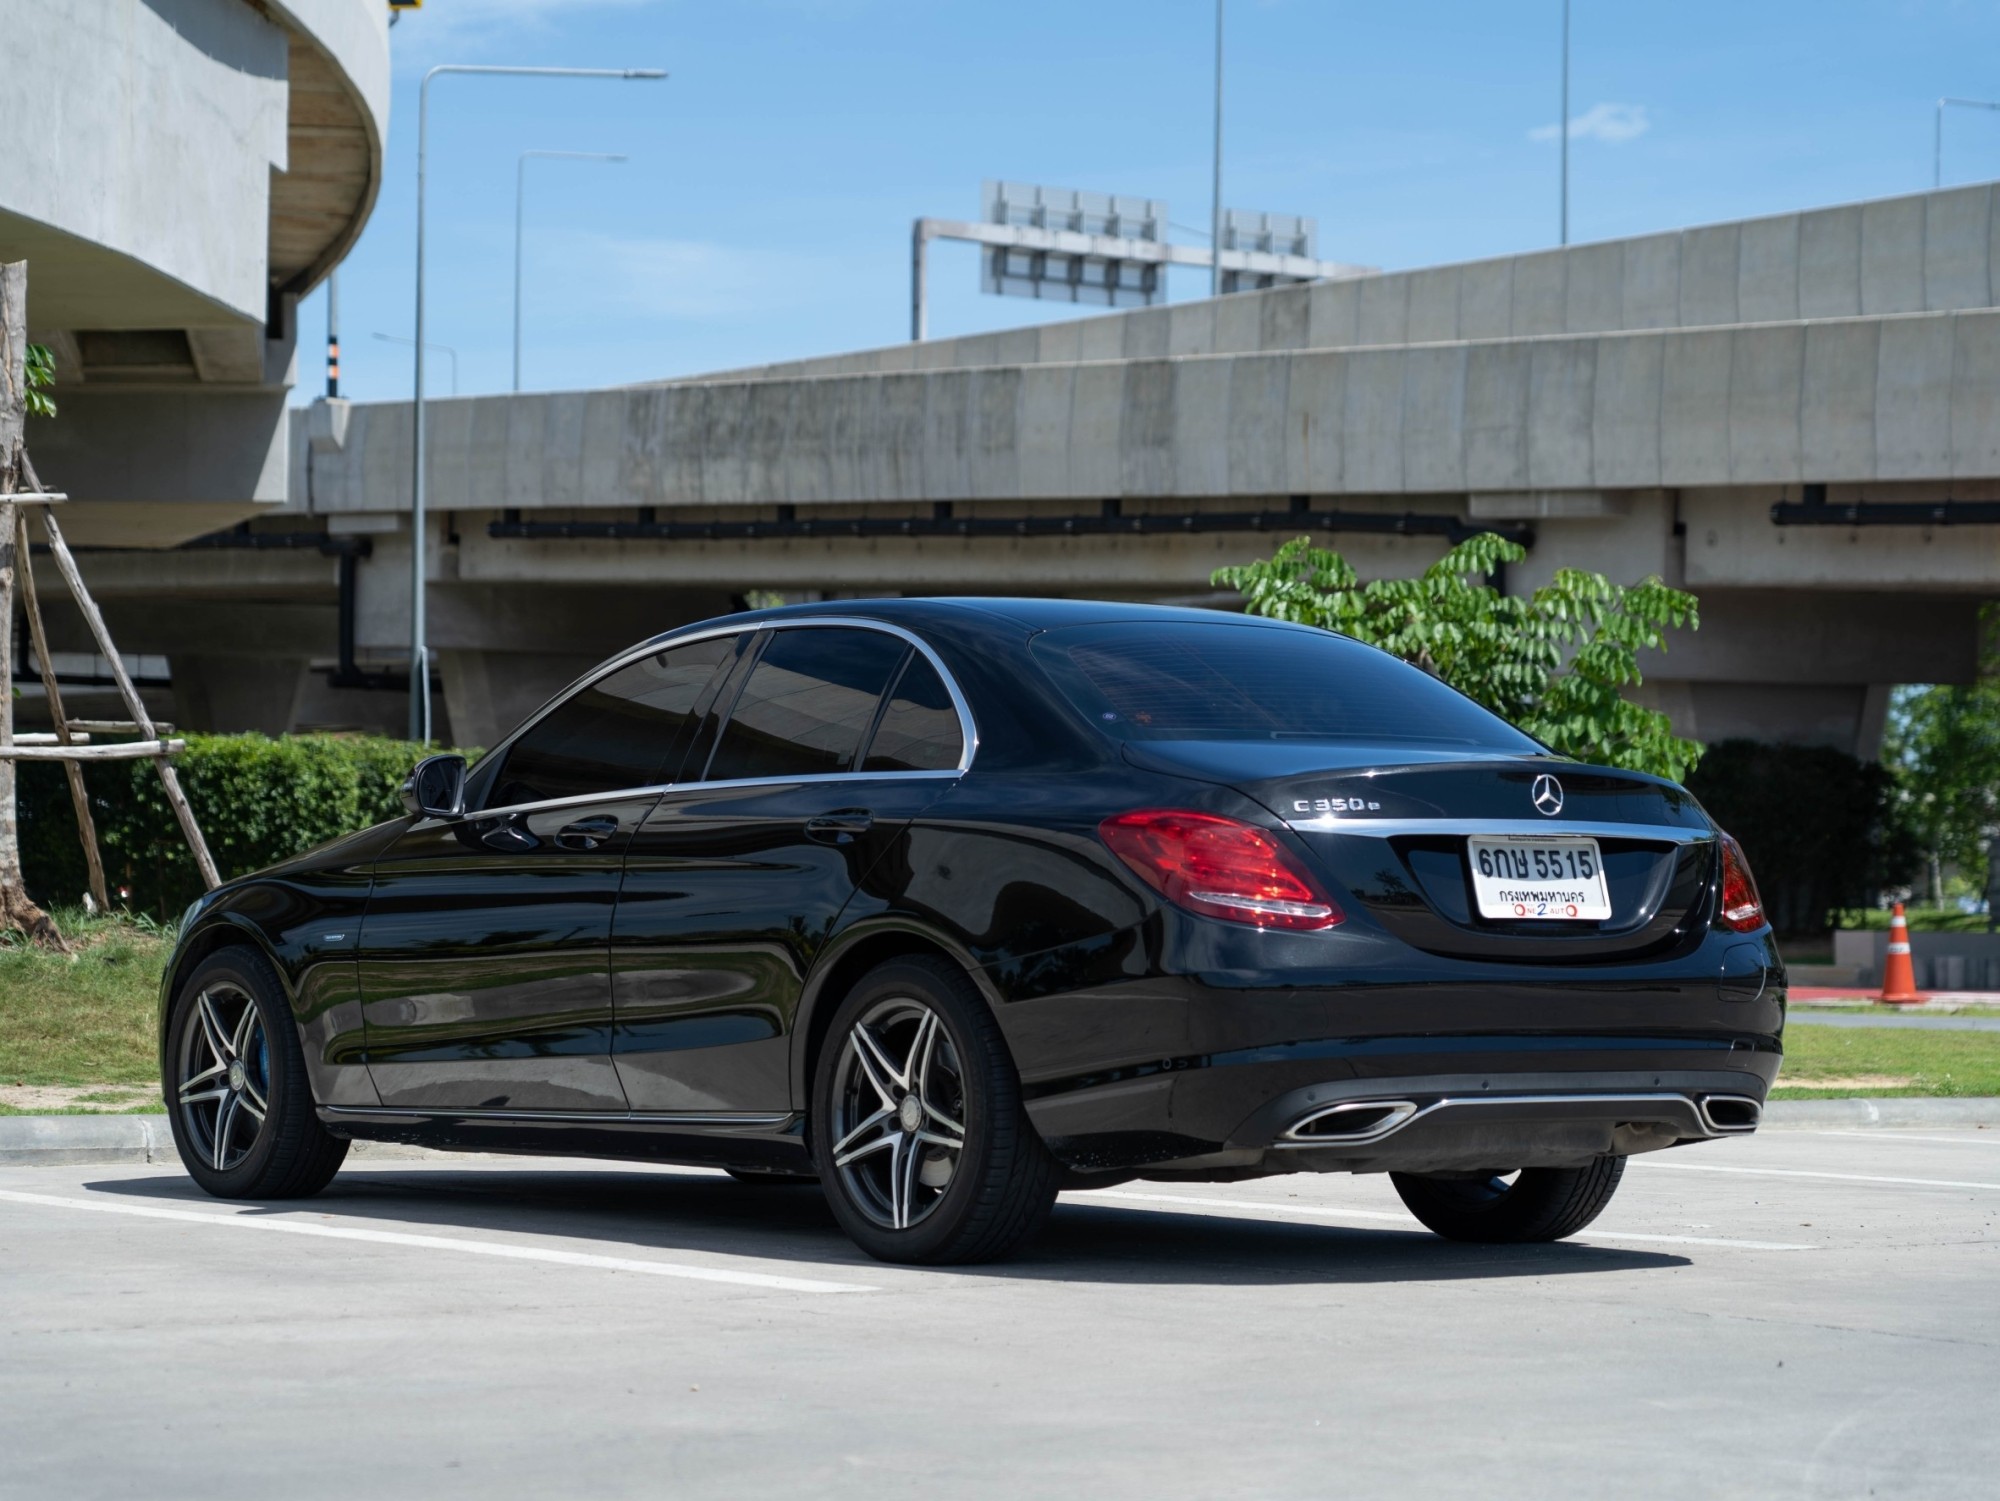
919 730
1194 681
616 733
807 704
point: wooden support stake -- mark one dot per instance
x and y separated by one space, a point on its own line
134 705
84 728
115 750
86 826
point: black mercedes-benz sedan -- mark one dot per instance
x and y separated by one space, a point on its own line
954 904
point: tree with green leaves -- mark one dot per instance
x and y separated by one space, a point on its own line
39 367
1555 662
1944 747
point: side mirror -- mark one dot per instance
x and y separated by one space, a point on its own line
435 787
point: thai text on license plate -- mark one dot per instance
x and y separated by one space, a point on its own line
1539 877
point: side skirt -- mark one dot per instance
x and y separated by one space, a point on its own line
774 1142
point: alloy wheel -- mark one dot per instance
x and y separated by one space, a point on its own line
224 1087
898 1112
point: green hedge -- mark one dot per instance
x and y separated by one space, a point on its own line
258 800
1819 826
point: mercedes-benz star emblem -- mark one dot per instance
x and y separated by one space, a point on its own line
1548 795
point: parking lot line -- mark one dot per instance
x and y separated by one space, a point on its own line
1992 1139
1329 1212
243 1220
1792 1172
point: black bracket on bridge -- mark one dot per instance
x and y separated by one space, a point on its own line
348 550
1813 510
1111 520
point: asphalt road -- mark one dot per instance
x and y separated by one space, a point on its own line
1808 1313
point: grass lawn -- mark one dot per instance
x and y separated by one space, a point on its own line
1920 919
84 1020
1838 1062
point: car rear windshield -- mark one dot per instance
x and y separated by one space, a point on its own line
1189 680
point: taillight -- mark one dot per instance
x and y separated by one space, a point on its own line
1219 867
1742 908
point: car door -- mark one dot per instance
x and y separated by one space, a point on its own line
833 738
485 949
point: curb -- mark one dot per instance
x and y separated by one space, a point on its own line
1978 1110
56 1140
59 1140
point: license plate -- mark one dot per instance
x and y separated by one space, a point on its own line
1545 877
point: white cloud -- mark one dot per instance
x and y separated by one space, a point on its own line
684 279
470 26
1613 124
444 15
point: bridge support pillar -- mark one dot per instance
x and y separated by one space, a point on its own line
231 694
487 693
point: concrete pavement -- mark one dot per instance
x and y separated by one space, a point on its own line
1946 1023
1808 1312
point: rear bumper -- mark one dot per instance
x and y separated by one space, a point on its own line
1365 1090
1415 1123
1458 1125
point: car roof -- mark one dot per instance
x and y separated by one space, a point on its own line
1029 615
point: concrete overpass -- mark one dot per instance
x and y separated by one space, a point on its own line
178 173
1641 404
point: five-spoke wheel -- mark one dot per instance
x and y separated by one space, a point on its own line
238 1098
917 1124
225 1076
899 1112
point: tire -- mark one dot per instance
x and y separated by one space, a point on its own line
959 1177
232 1049
758 1178
1541 1204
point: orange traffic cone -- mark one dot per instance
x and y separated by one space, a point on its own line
1899 975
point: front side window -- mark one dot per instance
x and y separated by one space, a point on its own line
617 733
807 704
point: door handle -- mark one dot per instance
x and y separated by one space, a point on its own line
842 826
586 833
505 835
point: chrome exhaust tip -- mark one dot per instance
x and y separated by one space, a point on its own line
1726 1114
1351 1121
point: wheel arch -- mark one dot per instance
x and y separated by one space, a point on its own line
224 930
843 963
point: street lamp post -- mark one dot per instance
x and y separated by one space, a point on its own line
445 348
520 196
1562 129
1215 193
420 667
1937 135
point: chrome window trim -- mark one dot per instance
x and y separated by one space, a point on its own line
968 729
1384 828
585 799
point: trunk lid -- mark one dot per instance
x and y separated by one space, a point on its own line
1393 830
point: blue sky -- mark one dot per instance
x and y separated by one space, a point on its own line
765 210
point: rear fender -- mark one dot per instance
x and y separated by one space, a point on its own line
848 956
